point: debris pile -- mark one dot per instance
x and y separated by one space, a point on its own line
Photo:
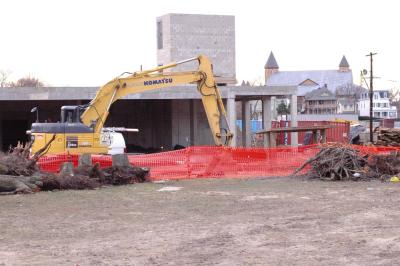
336 162
20 174
343 162
389 137
384 166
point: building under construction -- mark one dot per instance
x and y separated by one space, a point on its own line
165 117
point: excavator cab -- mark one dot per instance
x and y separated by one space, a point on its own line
71 114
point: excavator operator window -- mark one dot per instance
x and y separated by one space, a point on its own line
69 114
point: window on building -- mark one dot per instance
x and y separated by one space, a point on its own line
159 35
392 114
384 114
377 114
376 96
385 104
320 102
378 105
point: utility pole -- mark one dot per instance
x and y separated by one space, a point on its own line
371 94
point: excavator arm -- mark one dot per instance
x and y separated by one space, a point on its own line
98 110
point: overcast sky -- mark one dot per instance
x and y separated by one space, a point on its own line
87 43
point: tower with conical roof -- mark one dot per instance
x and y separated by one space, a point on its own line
344 65
271 66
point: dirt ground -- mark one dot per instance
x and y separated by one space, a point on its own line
273 221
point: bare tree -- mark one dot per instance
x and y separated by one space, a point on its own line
394 95
394 98
27 81
349 90
4 74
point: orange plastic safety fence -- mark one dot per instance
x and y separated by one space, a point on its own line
211 162
194 162
52 163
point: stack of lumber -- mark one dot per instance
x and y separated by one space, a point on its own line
389 137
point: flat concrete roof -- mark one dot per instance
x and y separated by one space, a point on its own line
179 92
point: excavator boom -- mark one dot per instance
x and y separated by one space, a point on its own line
98 109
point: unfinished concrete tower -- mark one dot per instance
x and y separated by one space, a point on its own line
182 36
271 66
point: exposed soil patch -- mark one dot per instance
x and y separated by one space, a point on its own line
275 221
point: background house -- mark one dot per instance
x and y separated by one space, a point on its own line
347 105
347 97
381 104
320 101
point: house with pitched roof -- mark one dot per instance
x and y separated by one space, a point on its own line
320 101
307 81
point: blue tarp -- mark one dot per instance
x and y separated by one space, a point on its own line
255 125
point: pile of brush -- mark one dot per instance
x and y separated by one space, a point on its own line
344 162
384 166
86 176
336 162
19 173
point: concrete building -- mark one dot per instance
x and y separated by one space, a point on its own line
182 36
381 104
165 117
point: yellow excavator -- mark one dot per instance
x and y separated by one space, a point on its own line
80 128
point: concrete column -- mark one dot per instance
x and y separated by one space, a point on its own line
273 103
231 112
293 122
194 118
246 124
1 133
191 121
175 121
266 117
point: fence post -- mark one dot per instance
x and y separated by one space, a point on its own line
187 161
